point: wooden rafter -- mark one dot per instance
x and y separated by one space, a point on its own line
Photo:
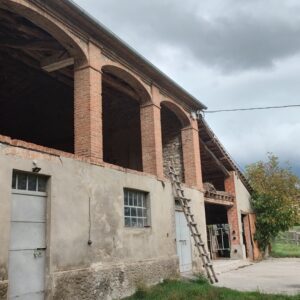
216 160
57 64
30 45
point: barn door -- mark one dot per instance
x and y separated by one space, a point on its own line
183 243
28 237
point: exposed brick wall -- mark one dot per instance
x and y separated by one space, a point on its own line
256 252
121 129
191 157
247 233
151 140
88 113
172 143
35 107
232 212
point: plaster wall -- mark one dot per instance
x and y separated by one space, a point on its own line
243 199
119 257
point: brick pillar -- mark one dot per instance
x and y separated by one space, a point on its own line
232 212
248 237
151 140
191 156
256 252
88 108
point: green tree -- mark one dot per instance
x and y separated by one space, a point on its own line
275 198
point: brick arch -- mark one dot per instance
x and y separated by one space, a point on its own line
48 23
122 74
178 111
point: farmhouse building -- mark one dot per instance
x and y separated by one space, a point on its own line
88 129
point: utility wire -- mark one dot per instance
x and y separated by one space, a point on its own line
250 108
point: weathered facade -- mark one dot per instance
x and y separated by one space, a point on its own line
87 130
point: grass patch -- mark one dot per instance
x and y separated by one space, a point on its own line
200 290
285 250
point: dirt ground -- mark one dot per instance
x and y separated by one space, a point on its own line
274 276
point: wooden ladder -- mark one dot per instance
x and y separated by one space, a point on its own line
184 203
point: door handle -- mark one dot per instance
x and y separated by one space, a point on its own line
38 252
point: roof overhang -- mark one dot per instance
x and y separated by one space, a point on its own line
93 29
213 144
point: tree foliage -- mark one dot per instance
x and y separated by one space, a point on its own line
275 199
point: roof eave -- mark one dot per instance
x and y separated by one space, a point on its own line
98 31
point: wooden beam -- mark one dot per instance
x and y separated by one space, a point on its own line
16 22
30 62
54 64
115 84
219 202
217 161
30 45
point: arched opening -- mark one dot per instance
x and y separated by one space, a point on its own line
36 84
173 120
122 95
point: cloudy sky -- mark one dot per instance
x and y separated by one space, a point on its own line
228 54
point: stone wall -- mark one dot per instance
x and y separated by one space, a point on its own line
172 142
113 281
3 290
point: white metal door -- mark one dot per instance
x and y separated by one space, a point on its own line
183 243
28 239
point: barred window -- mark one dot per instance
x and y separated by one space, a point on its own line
136 208
29 182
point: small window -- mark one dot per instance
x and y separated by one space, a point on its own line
136 208
29 182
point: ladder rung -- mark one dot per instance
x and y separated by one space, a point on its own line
200 244
196 234
189 215
179 196
183 198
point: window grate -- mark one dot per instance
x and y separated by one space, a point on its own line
29 182
136 208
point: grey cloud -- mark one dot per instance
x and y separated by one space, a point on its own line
254 43
238 40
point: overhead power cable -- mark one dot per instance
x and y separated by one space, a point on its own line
250 108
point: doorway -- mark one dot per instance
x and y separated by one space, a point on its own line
183 243
27 249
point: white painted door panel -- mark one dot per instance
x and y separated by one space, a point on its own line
30 296
27 246
183 243
27 271
28 208
27 235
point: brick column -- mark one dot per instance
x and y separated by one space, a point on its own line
191 156
248 237
232 212
151 140
256 252
88 108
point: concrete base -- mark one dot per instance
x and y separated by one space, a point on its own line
114 281
226 265
269 276
3 289
237 252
